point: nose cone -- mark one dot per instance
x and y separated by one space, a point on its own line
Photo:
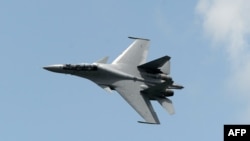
54 68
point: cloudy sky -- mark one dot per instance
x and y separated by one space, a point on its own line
208 41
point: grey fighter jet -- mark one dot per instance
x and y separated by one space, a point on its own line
136 81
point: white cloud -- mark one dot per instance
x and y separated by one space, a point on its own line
228 22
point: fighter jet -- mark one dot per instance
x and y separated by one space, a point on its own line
136 81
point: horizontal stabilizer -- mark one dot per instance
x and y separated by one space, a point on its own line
155 65
103 60
167 104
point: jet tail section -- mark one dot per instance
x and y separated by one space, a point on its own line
160 65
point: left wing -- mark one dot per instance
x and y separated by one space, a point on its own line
135 54
131 91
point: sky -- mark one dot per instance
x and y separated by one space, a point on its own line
209 45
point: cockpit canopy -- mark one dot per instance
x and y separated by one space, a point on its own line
80 67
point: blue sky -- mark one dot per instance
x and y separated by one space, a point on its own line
210 57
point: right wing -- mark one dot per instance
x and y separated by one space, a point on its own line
130 90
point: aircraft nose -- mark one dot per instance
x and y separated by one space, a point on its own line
54 68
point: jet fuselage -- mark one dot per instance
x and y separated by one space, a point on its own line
105 74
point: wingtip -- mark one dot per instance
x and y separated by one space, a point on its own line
156 123
130 37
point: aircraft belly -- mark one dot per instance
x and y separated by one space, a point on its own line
99 77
